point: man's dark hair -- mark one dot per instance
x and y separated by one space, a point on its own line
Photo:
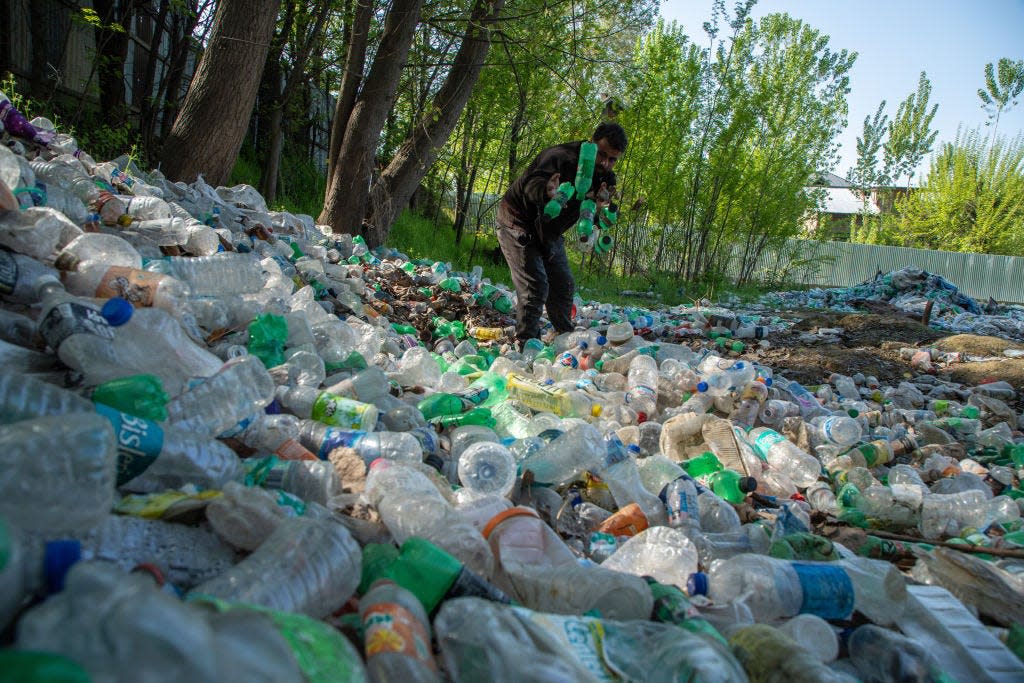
613 133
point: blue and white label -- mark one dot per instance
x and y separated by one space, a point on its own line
139 442
338 438
827 590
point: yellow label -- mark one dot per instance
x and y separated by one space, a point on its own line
549 399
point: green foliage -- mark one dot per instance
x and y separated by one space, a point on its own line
971 200
1002 86
865 173
910 135
301 189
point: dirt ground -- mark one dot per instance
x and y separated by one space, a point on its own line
870 343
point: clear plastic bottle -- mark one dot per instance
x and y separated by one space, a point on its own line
581 448
217 275
815 634
18 277
883 655
722 380
680 496
642 381
749 538
321 439
487 468
29 567
23 397
145 208
57 472
834 430
661 552
307 565
784 455
716 515
619 472
78 332
185 555
946 514
219 403
396 635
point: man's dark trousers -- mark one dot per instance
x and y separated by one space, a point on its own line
541 275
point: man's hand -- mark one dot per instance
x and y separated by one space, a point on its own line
553 183
603 196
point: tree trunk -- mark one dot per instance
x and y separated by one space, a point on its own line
349 184
148 101
210 128
169 90
111 53
355 62
399 180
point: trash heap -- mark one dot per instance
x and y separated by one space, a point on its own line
913 291
236 448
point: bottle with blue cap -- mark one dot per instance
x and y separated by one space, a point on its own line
30 567
619 472
722 380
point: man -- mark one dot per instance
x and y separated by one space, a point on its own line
533 245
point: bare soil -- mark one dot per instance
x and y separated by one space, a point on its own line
870 343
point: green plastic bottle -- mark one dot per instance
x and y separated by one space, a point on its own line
585 168
731 486
353 361
585 224
562 196
27 666
476 416
433 576
403 329
703 466
673 606
268 334
442 403
451 284
139 395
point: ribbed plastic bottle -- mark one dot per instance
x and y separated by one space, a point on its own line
784 455
396 635
581 448
749 538
716 514
216 275
321 439
57 472
834 430
219 403
881 654
642 380
722 380
328 408
307 565
946 514
185 555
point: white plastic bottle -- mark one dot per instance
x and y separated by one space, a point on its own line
834 430
307 565
642 381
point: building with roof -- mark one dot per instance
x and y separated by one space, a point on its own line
841 205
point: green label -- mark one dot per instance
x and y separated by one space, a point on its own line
765 440
139 442
338 411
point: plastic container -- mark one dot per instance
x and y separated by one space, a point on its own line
307 565
785 456
487 468
57 472
328 408
396 635
619 472
219 403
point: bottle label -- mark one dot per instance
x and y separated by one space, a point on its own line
338 411
583 637
827 590
70 318
638 392
391 628
534 395
8 272
139 442
765 440
293 450
338 438
137 286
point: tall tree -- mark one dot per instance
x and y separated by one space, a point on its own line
1002 86
866 173
348 188
910 133
401 177
211 124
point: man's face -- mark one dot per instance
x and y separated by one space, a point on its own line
606 156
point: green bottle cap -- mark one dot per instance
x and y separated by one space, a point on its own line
425 570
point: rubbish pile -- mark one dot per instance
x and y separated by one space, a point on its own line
237 448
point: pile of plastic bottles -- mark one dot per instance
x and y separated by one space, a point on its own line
234 448
911 290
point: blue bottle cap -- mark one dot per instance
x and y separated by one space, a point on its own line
58 558
702 386
117 311
633 448
697 584
768 381
602 340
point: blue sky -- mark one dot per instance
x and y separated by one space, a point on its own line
951 40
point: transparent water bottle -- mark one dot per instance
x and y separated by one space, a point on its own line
619 472
18 277
784 455
57 472
219 403
749 538
396 635
642 381
946 514
834 430
23 397
307 565
217 275
487 468
581 448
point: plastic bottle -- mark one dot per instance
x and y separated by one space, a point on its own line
434 576
580 448
883 655
312 481
661 552
784 455
769 654
946 514
716 515
834 430
57 472
18 277
642 381
551 399
218 275
487 468
321 439
30 567
808 403
142 395
585 168
814 634
619 472
307 565
396 635
731 486
217 404
185 555
725 379
748 538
